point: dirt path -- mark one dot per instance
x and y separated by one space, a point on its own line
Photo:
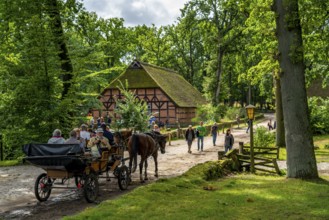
17 199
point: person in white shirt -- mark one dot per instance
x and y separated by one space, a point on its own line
56 138
84 133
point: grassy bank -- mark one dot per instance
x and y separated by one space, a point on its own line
242 196
321 154
6 163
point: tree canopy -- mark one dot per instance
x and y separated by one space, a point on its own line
56 57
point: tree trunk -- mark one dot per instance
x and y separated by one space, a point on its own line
301 161
280 138
218 75
58 33
230 85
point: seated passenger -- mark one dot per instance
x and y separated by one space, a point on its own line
156 129
82 141
97 143
84 133
56 138
75 139
107 134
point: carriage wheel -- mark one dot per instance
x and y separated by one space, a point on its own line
42 187
124 177
91 187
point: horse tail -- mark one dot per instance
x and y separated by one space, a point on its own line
135 143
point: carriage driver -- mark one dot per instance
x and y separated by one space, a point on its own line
97 143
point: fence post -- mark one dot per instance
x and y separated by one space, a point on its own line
1 148
240 147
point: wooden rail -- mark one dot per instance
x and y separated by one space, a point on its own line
261 163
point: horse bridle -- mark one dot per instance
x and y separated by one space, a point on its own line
157 141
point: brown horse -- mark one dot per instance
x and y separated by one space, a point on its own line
145 145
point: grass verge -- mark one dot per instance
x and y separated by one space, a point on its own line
321 154
242 196
6 163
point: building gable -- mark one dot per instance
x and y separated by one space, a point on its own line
142 76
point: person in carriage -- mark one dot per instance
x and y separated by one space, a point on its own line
98 143
56 138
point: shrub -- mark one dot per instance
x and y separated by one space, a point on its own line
209 113
319 117
264 138
232 112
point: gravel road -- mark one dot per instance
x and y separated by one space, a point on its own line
17 199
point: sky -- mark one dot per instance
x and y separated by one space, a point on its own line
138 12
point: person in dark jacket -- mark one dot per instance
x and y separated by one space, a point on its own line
189 137
107 134
229 140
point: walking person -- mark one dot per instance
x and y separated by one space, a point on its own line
237 118
214 133
201 132
269 125
189 137
248 123
229 140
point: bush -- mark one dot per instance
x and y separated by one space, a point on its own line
264 138
232 112
319 117
209 114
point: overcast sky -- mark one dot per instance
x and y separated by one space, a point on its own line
135 12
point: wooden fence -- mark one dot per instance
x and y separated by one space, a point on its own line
180 132
265 158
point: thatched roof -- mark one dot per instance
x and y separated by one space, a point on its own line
143 75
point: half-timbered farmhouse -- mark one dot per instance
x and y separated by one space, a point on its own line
170 98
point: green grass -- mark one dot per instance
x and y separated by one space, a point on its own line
242 196
6 163
321 154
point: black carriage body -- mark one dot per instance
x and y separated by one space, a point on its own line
55 156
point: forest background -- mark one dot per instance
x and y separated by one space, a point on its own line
56 58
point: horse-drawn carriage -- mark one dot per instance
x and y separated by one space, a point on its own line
67 161
63 162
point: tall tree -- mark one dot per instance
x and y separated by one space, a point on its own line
301 161
57 29
224 21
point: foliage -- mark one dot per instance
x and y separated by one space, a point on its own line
223 48
231 113
264 138
234 197
132 113
319 117
6 163
209 114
